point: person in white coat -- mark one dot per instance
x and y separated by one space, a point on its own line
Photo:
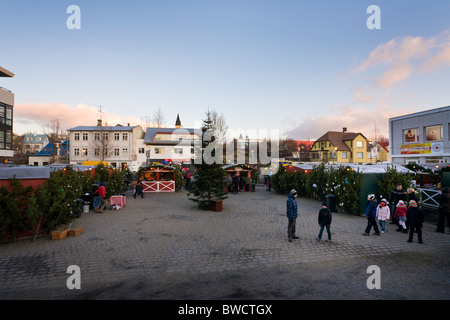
383 214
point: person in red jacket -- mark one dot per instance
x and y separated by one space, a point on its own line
400 213
101 192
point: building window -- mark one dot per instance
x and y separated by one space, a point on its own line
77 136
359 144
178 151
359 155
125 136
116 136
125 151
97 136
141 150
116 151
85 152
85 136
76 152
411 135
96 152
344 155
434 133
105 136
159 150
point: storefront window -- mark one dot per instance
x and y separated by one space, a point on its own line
433 133
411 135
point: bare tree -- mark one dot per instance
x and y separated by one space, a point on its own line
158 118
219 125
103 144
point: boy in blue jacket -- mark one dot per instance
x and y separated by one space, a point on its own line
371 214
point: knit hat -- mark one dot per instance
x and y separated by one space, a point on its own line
384 200
293 192
370 197
413 203
324 204
401 204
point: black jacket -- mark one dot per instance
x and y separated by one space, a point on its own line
397 195
324 217
414 216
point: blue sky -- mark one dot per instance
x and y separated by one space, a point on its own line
301 67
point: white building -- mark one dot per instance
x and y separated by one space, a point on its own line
121 146
171 145
421 137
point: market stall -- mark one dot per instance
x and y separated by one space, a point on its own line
244 173
158 179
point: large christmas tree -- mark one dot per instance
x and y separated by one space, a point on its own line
209 175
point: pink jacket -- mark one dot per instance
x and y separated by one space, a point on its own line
383 213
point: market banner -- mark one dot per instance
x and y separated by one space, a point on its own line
422 148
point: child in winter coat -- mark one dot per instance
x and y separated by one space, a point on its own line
383 214
324 221
400 213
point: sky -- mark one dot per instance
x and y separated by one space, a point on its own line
301 68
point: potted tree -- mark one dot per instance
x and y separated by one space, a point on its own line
208 188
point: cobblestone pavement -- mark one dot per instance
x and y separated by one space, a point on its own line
163 247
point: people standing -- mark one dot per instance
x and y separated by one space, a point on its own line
138 190
396 195
444 210
236 184
383 214
292 213
324 220
96 197
101 193
371 213
412 195
268 185
415 218
187 176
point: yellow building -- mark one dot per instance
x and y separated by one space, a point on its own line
341 147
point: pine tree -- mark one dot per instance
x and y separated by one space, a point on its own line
209 177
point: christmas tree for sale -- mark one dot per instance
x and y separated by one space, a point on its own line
209 176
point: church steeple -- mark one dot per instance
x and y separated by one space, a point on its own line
178 122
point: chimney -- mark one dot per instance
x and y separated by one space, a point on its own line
99 123
344 129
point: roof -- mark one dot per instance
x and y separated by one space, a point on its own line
338 138
362 168
49 149
308 143
103 128
24 173
152 132
6 73
421 113
34 138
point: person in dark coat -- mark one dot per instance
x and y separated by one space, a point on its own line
444 210
415 217
292 213
396 195
371 214
324 221
236 184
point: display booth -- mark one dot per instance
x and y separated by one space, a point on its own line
158 179
245 176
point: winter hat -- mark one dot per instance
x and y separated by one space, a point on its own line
384 200
293 192
370 197
401 204
412 203
324 204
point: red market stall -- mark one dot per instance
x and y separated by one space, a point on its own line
245 173
158 179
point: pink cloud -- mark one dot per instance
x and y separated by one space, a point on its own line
40 114
407 56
